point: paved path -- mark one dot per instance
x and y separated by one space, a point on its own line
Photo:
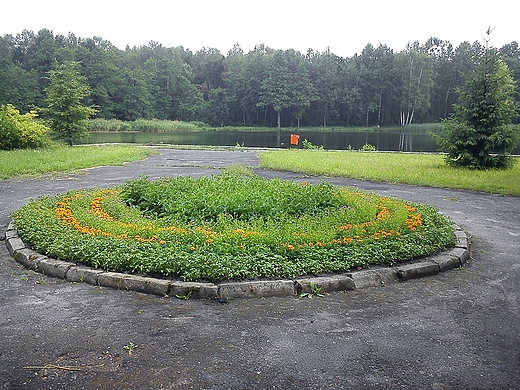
456 330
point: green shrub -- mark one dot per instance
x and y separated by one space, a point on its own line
21 131
368 148
306 144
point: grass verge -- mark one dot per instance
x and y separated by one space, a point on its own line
29 162
417 169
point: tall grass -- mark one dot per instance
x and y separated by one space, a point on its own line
65 159
423 128
157 125
416 169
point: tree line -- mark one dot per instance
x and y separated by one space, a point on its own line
263 87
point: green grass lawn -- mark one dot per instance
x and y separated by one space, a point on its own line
66 159
417 169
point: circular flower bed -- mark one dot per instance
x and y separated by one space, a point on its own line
230 227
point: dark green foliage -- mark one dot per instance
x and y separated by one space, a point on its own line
240 197
371 84
248 89
479 134
217 108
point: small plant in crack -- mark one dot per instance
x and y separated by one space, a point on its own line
186 297
315 291
130 348
41 280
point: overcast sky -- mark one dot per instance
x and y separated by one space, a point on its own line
344 26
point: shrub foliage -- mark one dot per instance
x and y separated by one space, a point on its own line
21 131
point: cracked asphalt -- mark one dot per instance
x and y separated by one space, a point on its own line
456 330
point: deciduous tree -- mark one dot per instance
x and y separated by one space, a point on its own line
287 85
276 87
66 111
324 69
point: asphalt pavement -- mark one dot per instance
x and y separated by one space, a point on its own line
456 330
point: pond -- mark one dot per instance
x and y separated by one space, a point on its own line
382 140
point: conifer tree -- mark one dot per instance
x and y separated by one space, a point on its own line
479 134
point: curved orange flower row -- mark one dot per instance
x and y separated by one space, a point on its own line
414 220
378 235
65 214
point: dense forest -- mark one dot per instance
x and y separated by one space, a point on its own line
264 87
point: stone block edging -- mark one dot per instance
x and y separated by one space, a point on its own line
373 277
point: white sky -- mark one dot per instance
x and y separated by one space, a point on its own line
344 26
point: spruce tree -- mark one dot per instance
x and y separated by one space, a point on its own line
479 134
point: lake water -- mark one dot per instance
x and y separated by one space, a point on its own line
382 140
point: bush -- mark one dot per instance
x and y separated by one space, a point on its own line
21 131
309 145
368 148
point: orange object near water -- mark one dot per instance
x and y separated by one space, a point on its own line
295 139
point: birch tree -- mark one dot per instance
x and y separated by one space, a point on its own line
415 74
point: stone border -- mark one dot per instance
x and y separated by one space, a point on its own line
377 276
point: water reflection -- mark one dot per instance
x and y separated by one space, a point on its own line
382 140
